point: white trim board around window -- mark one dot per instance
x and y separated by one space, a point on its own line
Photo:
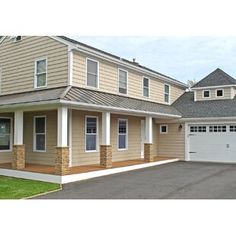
10 134
38 74
123 85
146 87
163 129
36 134
95 75
203 93
122 134
92 133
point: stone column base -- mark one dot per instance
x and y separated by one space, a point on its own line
106 156
62 161
148 152
18 162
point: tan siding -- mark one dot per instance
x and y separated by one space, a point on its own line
43 158
108 80
17 61
227 94
172 144
6 157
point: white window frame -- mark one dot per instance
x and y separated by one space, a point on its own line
34 134
36 75
97 134
86 75
161 129
11 134
127 86
144 77
127 132
223 93
206 90
167 93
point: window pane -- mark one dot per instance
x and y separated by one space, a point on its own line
166 89
166 98
92 80
121 90
91 125
40 142
163 129
41 80
122 127
122 81
122 141
206 94
40 125
4 142
41 66
4 126
92 67
145 92
91 142
219 93
145 82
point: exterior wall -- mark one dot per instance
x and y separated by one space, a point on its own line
42 158
17 63
171 144
7 157
227 94
108 80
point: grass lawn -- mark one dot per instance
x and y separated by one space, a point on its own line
14 188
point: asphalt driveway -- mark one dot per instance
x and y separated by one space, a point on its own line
179 180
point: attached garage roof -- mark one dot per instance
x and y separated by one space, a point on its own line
200 109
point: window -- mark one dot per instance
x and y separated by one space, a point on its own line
40 133
167 93
41 73
163 129
123 78
219 93
122 134
145 87
198 128
91 133
92 73
5 134
206 93
217 128
232 128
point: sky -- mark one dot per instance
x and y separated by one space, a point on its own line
182 58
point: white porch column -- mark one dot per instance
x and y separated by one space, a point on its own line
106 128
62 127
148 122
18 162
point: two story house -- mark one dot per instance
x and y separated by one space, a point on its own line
65 104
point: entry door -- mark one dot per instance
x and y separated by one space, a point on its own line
142 137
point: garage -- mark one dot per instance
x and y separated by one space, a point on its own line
212 142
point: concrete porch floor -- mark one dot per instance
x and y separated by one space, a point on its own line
45 169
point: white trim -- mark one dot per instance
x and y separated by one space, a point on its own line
166 129
97 134
86 73
223 93
148 129
145 77
34 134
195 95
213 87
11 134
62 127
70 136
232 92
206 119
206 90
127 79
2 39
169 102
35 72
186 142
71 65
126 134
18 127
106 128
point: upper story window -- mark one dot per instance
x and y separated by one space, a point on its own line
219 93
206 93
123 81
167 93
40 73
145 87
92 73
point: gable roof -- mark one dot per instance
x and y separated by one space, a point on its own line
203 109
216 78
137 65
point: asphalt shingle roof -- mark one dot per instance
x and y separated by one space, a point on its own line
216 78
200 109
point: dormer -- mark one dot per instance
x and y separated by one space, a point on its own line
217 85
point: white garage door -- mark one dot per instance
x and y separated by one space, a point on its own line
212 142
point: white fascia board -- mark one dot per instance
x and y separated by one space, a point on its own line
212 87
117 109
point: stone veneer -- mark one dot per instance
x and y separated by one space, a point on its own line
18 162
62 161
106 156
147 152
